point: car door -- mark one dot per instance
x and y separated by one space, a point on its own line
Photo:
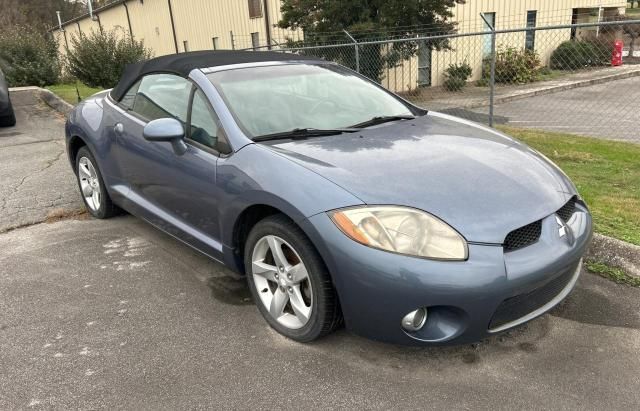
176 192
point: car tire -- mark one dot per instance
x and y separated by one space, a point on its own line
316 291
92 188
8 120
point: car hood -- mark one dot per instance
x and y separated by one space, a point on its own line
481 182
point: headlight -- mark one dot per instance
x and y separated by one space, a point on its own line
401 230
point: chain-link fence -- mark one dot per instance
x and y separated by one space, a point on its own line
574 78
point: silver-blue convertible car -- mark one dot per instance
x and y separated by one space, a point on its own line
339 200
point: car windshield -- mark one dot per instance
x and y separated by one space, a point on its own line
277 99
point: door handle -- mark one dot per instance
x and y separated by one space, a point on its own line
118 129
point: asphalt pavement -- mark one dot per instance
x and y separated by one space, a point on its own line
608 110
115 314
35 178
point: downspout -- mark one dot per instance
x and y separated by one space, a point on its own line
173 27
66 41
64 32
91 15
99 23
267 22
124 3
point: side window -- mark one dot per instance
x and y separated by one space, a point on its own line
204 122
130 97
162 96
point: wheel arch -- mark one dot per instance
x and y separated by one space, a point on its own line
74 145
252 215
244 223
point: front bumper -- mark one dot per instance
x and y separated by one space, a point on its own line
466 300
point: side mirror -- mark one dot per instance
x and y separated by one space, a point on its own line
166 130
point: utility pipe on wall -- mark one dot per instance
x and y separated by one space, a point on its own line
267 23
126 8
173 26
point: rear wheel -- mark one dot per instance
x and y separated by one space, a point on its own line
289 282
92 188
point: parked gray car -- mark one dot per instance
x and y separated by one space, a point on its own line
7 116
337 199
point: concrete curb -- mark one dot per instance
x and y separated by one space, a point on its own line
55 102
615 253
48 97
555 89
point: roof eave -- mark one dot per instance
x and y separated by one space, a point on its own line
87 15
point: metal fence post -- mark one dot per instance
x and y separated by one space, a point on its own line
492 79
357 49
233 43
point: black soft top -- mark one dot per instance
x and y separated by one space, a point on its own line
182 64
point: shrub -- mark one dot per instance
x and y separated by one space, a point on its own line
513 66
98 59
456 76
574 55
28 58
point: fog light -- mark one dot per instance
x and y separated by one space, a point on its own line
415 320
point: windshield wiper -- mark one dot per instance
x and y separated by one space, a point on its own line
304 133
382 119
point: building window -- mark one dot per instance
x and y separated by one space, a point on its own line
255 9
255 40
530 40
486 47
186 45
215 43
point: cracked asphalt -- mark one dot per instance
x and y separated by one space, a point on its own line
115 314
35 177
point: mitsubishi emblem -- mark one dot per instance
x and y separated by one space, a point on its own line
562 231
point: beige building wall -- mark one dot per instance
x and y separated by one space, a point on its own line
115 19
511 15
151 23
198 22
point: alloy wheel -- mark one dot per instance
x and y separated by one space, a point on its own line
282 282
89 183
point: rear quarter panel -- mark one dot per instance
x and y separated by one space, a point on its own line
92 121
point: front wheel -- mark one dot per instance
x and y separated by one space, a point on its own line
289 281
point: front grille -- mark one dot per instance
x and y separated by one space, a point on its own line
523 236
529 234
567 210
517 307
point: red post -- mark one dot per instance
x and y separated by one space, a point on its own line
616 58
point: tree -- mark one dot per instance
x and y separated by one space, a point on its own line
27 57
631 30
321 19
41 15
98 59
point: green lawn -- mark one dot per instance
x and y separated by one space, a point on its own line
612 273
69 94
549 74
607 175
